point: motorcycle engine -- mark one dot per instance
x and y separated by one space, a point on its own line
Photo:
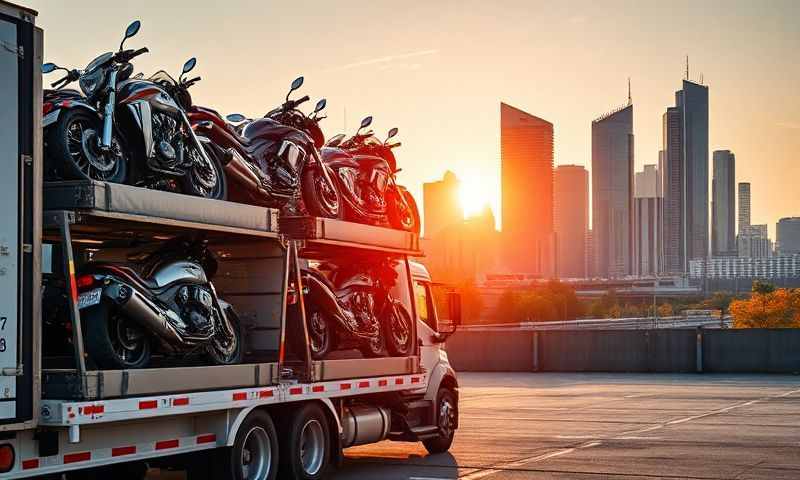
197 308
168 140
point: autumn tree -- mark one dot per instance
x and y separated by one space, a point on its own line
767 308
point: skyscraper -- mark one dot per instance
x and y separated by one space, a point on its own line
612 193
788 232
753 241
647 222
441 205
744 206
647 182
723 204
571 219
672 177
686 178
526 157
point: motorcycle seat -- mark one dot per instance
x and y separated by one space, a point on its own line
126 272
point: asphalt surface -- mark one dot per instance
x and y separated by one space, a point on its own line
588 426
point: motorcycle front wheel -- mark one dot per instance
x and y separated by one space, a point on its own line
397 330
113 341
403 212
319 197
205 178
223 351
73 144
374 347
320 334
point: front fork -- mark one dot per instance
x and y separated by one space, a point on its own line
108 112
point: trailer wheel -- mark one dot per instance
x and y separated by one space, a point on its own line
305 444
446 419
254 455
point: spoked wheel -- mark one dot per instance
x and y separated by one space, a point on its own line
205 177
254 455
227 351
403 211
75 143
305 451
320 334
321 199
376 346
397 330
114 341
446 420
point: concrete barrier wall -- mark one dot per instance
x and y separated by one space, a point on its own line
661 350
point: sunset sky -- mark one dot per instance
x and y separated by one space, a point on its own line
438 71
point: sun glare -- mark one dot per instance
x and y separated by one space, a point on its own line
474 194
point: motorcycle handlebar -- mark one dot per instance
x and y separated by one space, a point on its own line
301 100
60 83
192 81
139 52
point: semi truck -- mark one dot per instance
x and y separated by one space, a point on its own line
277 413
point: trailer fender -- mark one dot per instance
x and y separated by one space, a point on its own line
243 413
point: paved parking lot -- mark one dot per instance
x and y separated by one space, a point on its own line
516 426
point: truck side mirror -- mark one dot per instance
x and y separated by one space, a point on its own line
453 320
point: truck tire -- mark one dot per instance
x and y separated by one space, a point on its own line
446 419
305 444
254 454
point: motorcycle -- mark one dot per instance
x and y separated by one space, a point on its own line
365 172
273 161
165 301
350 305
120 118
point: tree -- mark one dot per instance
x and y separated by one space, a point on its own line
762 287
774 309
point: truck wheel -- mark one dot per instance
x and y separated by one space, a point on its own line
446 419
254 455
305 444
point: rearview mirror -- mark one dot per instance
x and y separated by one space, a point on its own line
320 105
133 29
189 65
236 118
49 67
298 82
454 308
392 133
366 122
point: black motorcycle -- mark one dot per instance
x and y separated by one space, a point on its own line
350 305
125 129
163 301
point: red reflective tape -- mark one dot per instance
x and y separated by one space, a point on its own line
383 383
92 409
414 379
363 384
77 457
265 394
239 396
31 463
165 444
295 390
344 386
179 402
398 381
120 451
148 404
318 388
207 438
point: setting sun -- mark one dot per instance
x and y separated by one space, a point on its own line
475 193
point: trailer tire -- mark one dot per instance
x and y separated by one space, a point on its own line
446 412
306 444
256 441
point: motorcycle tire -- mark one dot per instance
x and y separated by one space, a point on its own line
218 358
220 189
320 333
319 199
77 158
401 219
102 330
398 331
375 348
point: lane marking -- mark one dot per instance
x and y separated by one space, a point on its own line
526 461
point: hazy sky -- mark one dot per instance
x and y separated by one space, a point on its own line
439 69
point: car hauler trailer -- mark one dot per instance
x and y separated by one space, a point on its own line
58 413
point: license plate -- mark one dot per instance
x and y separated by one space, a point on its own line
87 299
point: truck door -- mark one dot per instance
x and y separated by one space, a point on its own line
19 68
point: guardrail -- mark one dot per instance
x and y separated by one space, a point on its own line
636 323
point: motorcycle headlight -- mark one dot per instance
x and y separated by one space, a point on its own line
91 82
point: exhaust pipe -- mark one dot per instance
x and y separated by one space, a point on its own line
163 322
238 168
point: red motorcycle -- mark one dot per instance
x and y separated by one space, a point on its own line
274 160
365 172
